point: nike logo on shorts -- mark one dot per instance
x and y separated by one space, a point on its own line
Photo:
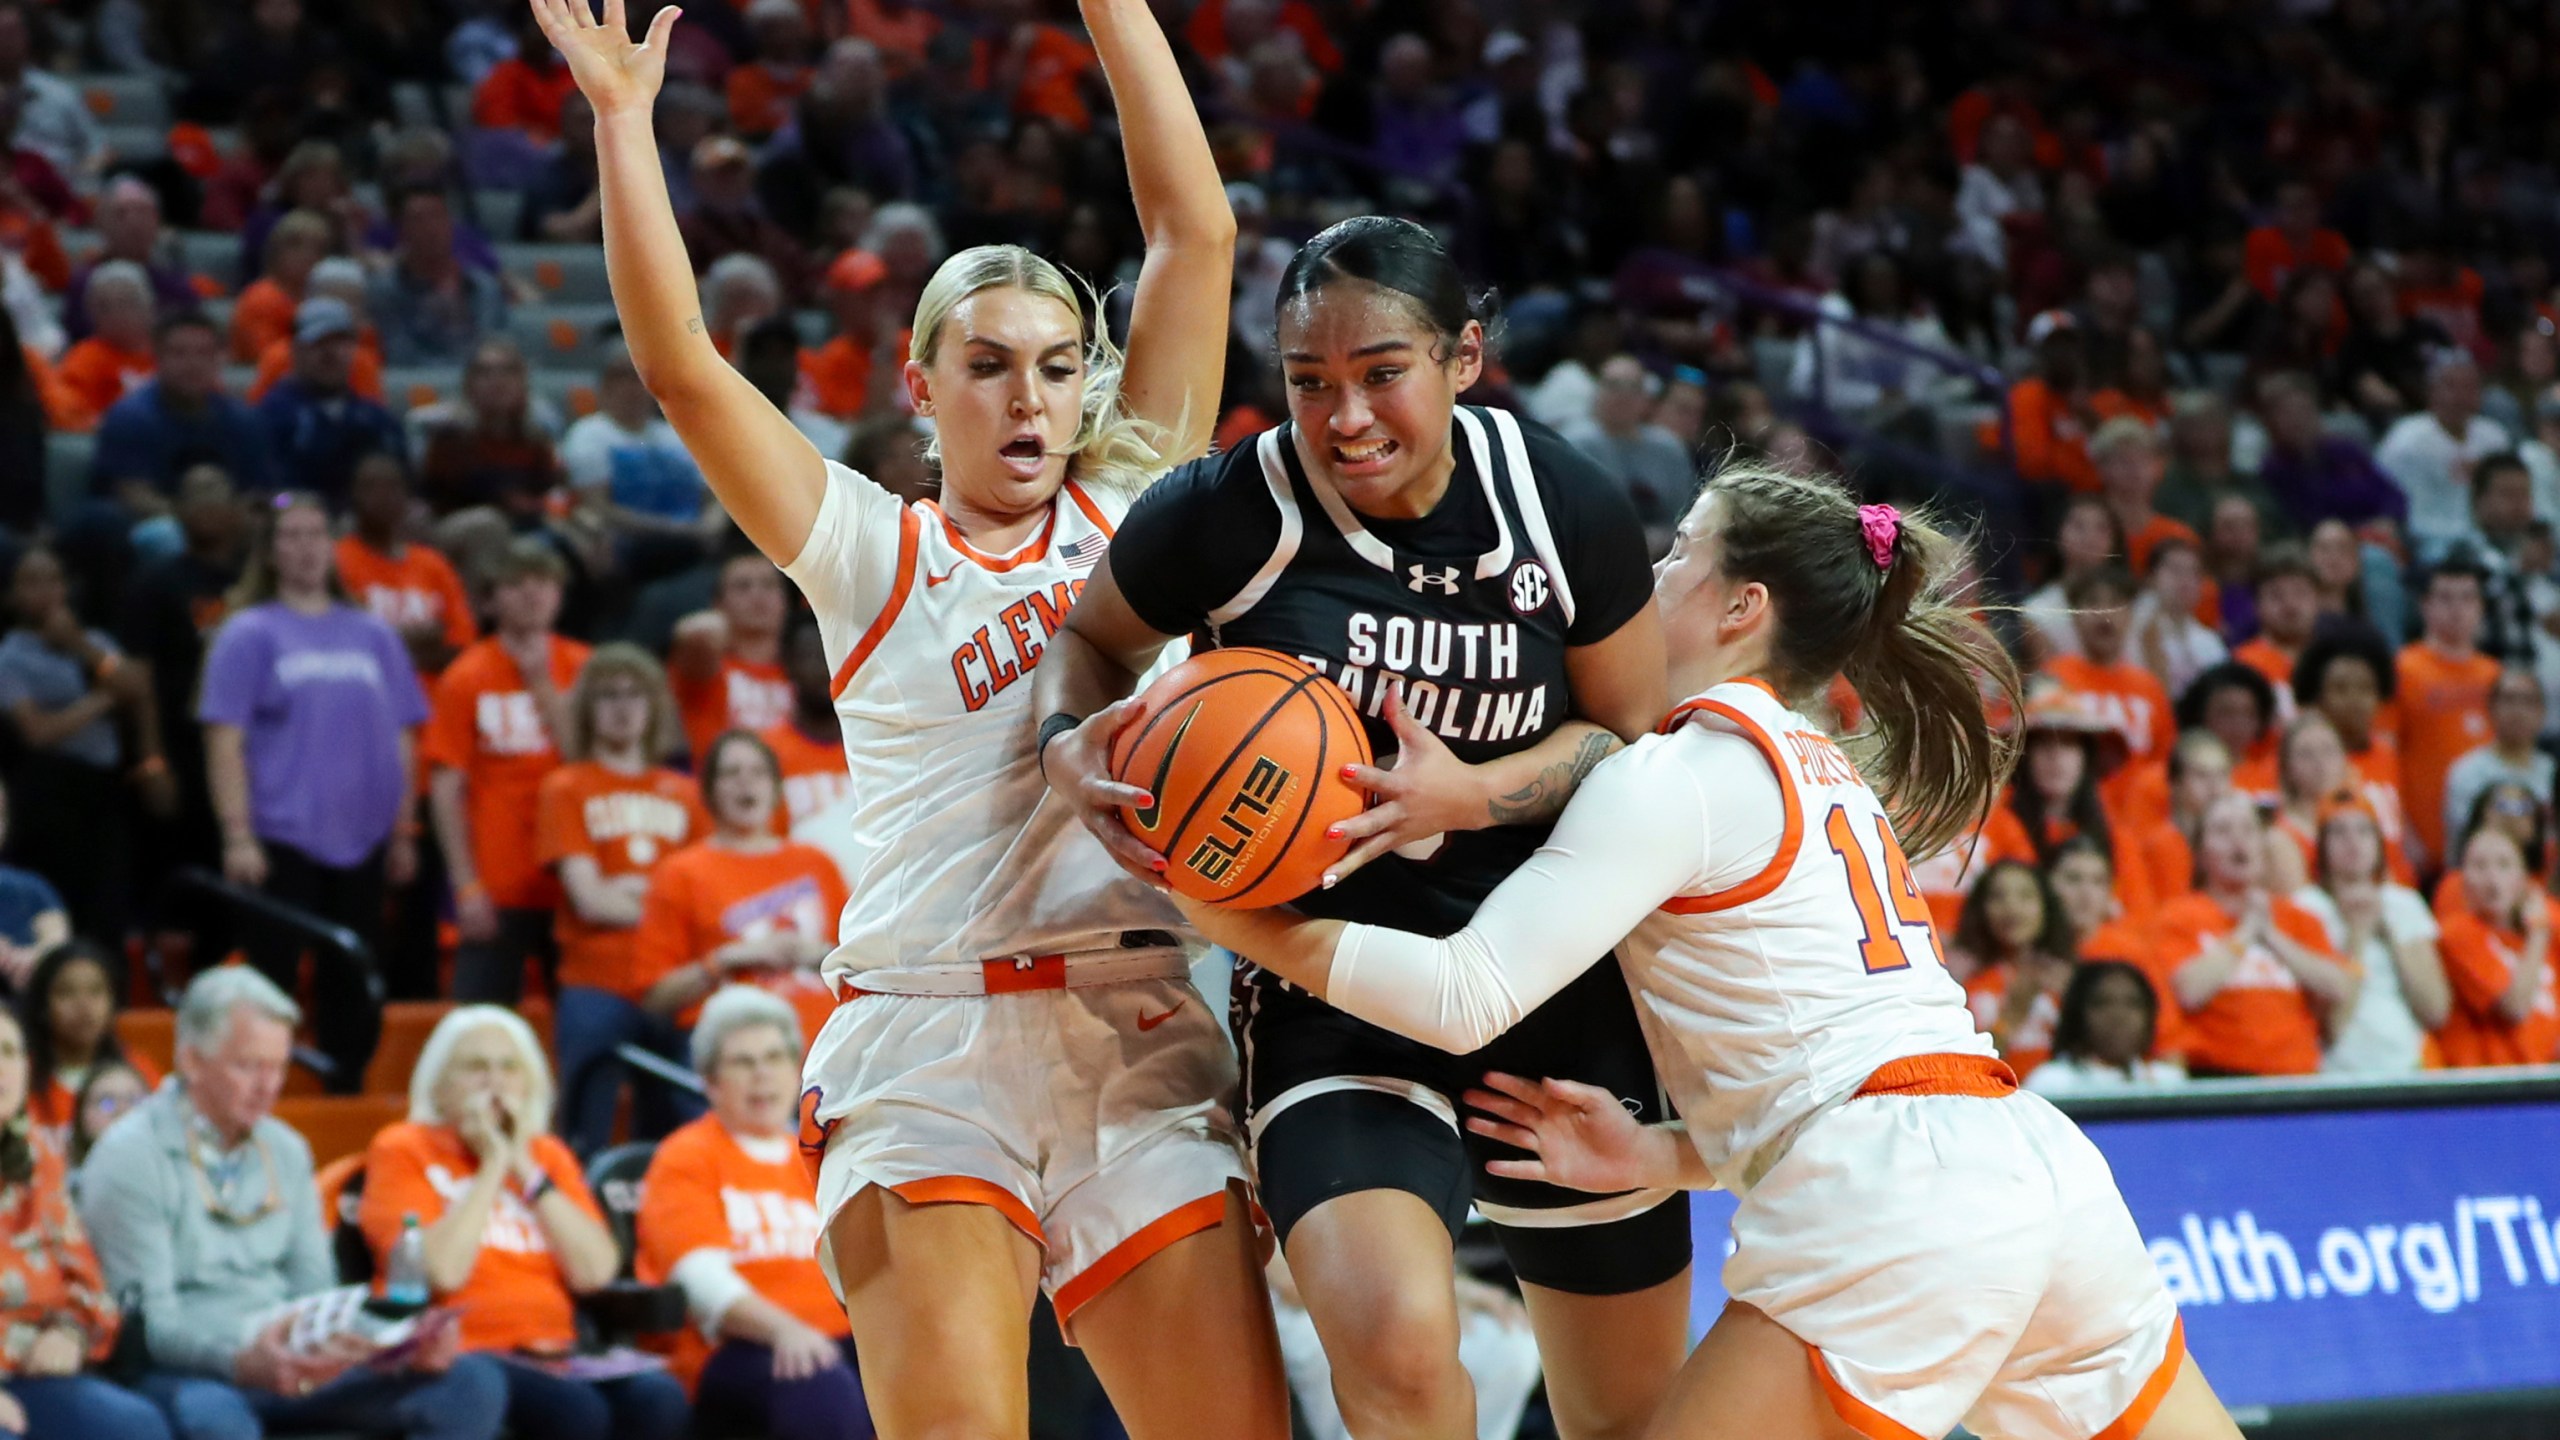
1149 1022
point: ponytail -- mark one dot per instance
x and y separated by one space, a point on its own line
1863 592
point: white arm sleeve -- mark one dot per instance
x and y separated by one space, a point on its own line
1634 835
711 1284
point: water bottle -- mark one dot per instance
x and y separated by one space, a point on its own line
405 1280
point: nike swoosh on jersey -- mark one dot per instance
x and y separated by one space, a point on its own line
932 580
1147 814
1149 1022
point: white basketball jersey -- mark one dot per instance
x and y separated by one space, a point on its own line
958 853
1804 959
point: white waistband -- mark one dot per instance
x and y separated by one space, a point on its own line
1082 970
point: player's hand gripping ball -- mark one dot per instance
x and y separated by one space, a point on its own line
1242 752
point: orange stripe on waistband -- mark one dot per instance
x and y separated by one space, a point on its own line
1985 1076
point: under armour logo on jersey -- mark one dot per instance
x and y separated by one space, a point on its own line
1424 577
1530 587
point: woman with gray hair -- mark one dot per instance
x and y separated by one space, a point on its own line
510 1231
729 1215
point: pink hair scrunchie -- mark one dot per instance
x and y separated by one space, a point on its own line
1882 525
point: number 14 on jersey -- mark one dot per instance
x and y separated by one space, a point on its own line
1889 903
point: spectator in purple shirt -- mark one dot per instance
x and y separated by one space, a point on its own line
128 221
308 706
2317 476
1418 131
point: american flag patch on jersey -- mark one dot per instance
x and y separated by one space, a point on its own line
1081 554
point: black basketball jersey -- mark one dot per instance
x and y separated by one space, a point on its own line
1466 613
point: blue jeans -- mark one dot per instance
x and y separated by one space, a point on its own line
85 1407
467 1402
739 1396
637 1407
586 1027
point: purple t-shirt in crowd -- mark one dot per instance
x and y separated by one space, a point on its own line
323 699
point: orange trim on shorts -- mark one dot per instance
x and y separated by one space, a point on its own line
1788 841
1983 1076
970 1190
1091 511
1205 1213
1012 977
1857 1414
910 536
2154 1390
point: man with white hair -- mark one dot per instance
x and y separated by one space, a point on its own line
129 228
2430 454
203 1205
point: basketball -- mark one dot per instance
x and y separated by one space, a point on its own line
1242 752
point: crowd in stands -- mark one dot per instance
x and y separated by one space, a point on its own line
349 561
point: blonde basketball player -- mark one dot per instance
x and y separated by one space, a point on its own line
1919 1242
1020 1090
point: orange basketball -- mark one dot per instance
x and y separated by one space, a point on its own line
1242 751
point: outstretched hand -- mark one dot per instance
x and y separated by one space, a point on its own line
1578 1136
616 75
1426 790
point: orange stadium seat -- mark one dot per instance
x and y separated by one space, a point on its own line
340 1125
151 1035
405 1027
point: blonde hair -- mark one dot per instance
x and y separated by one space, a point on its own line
1112 449
1917 656
436 1056
622 660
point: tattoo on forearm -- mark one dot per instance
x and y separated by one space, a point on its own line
1544 797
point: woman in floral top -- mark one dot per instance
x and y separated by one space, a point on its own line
55 1315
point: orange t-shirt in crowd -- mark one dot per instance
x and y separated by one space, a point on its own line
814 773
2260 1022
1948 876
2130 941
262 316
2050 443
740 695
2139 543
2126 696
838 377
1051 75
514 1298
56 1107
484 724
364 373
705 1192
416 587
626 824
760 96
902 37
98 374
2030 1042
2006 836
2444 714
2272 257
2262 656
518 96
2480 963
706 895
2167 858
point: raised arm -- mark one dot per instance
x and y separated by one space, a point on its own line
766 474
1177 351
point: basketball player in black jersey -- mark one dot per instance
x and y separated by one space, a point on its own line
1481 592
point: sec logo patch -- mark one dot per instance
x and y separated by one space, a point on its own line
1530 587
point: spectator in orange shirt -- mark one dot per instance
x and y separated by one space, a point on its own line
67 1015
839 372
525 91
512 1234
2312 774
2105 683
2293 240
2251 971
2288 611
2443 682
2497 960
412 587
2508 806
2131 460
2013 948
1041 70
809 743
2199 773
726 662
2237 706
729 1215
262 317
2049 414
742 905
117 356
2141 389
2083 881
606 820
2348 674
761 91
490 743
343 280
901 29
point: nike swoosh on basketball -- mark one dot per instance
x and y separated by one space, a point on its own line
1149 813
932 580
1149 1022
